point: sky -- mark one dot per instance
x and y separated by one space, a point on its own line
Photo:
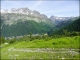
60 8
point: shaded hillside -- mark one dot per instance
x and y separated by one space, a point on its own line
63 23
74 26
22 28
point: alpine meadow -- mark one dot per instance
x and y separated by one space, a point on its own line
39 30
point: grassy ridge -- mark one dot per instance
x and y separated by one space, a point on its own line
63 42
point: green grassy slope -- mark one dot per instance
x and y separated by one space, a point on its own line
63 42
50 49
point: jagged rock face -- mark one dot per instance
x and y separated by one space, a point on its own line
22 14
25 11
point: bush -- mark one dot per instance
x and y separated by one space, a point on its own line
2 40
74 33
48 38
11 41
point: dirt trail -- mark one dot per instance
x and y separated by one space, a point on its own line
47 50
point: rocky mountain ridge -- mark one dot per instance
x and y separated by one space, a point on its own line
14 16
35 13
22 21
25 11
21 15
57 20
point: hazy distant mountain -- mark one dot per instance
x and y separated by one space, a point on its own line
72 26
58 20
62 21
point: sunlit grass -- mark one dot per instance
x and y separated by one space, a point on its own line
64 42
55 44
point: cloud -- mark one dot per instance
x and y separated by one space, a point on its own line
37 4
